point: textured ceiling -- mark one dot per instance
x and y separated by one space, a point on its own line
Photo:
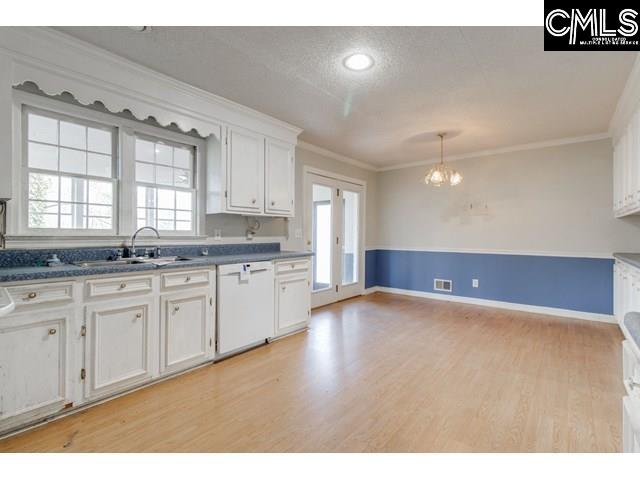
491 87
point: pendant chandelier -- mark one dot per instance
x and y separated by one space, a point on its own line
441 175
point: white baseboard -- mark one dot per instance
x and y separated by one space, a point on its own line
558 312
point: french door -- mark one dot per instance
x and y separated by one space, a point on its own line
334 215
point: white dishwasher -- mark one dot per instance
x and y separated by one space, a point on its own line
245 305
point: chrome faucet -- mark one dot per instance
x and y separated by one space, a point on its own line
133 237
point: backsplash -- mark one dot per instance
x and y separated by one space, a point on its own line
28 258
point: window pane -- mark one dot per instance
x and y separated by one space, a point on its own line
100 223
350 207
43 187
43 156
182 158
99 211
144 173
165 225
182 178
73 161
166 198
99 140
146 216
99 165
43 214
183 226
164 175
73 215
183 200
100 192
73 135
166 214
182 215
144 151
43 129
73 189
164 154
146 197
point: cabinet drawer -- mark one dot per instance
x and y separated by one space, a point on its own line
184 279
292 266
118 286
41 294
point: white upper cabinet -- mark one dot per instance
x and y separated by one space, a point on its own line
626 169
250 174
279 177
245 171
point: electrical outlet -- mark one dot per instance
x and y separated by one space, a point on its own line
217 234
475 283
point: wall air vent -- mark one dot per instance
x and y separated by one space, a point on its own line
440 285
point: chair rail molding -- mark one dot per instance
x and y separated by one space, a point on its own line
59 63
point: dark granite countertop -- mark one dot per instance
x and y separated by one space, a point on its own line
17 274
632 259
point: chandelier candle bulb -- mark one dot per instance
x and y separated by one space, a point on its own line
440 174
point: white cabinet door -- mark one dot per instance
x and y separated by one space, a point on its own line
119 346
33 365
279 178
186 336
293 302
245 171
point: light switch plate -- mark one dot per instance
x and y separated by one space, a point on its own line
475 283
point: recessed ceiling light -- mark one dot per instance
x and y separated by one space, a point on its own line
358 61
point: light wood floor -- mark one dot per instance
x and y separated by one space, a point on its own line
378 373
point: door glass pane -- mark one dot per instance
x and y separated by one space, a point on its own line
322 235
350 205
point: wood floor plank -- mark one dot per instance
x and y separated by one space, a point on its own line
377 373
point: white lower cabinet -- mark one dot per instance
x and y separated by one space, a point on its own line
186 329
33 365
293 297
631 424
120 345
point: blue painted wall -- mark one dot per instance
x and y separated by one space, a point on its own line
582 284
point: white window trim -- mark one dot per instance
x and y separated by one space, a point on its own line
124 201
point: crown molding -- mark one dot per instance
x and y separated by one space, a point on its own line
497 151
59 62
335 156
628 101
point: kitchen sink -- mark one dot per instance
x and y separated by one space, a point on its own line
129 261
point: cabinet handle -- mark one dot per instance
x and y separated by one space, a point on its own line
32 295
188 279
138 315
253 200
123 285
52 331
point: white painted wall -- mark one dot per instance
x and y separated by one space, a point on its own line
548 200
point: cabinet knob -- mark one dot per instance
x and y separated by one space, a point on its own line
138 315
272 203
176 308
52 331
284 288
632 383
123 285
32 295
188 279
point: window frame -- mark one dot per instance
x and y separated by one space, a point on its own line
123 162
193 189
